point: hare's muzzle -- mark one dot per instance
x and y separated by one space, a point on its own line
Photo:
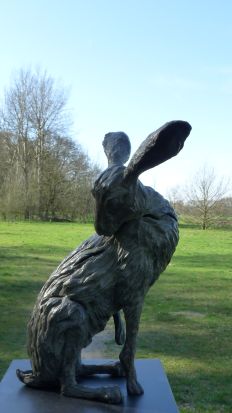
104 231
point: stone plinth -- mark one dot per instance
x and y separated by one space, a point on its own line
158 398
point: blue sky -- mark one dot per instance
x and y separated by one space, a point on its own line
132 66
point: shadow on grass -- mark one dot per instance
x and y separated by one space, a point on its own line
20 287
25 262
200 344
202 391
189 225
208 261
24 251
206 379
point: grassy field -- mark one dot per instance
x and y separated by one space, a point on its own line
186 320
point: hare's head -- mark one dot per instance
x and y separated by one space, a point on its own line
116 189
112 198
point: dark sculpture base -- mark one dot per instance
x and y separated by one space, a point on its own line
157 397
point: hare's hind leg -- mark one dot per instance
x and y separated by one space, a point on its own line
132 316
114 369
69 382
110 395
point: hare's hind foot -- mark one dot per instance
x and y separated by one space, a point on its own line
31 380
26 377
110 395
114 369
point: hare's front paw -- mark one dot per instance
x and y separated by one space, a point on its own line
134 388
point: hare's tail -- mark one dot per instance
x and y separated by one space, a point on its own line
27 377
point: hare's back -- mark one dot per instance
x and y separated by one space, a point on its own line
85 273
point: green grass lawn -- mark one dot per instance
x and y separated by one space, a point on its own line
186 320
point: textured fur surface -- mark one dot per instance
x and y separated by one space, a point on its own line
136 236
100 277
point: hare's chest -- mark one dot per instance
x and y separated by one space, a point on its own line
133 276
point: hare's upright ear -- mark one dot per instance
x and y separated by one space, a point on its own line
158 147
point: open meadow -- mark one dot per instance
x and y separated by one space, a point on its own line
186 321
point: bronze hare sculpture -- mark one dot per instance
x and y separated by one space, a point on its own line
137 233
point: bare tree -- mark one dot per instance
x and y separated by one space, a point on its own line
175 197
66 180
33 110
43 172
204 193
16 125
48 118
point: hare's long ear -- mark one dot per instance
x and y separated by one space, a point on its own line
158 147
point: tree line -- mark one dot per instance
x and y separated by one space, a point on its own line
205 201
44 173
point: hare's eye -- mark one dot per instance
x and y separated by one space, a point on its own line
113 204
